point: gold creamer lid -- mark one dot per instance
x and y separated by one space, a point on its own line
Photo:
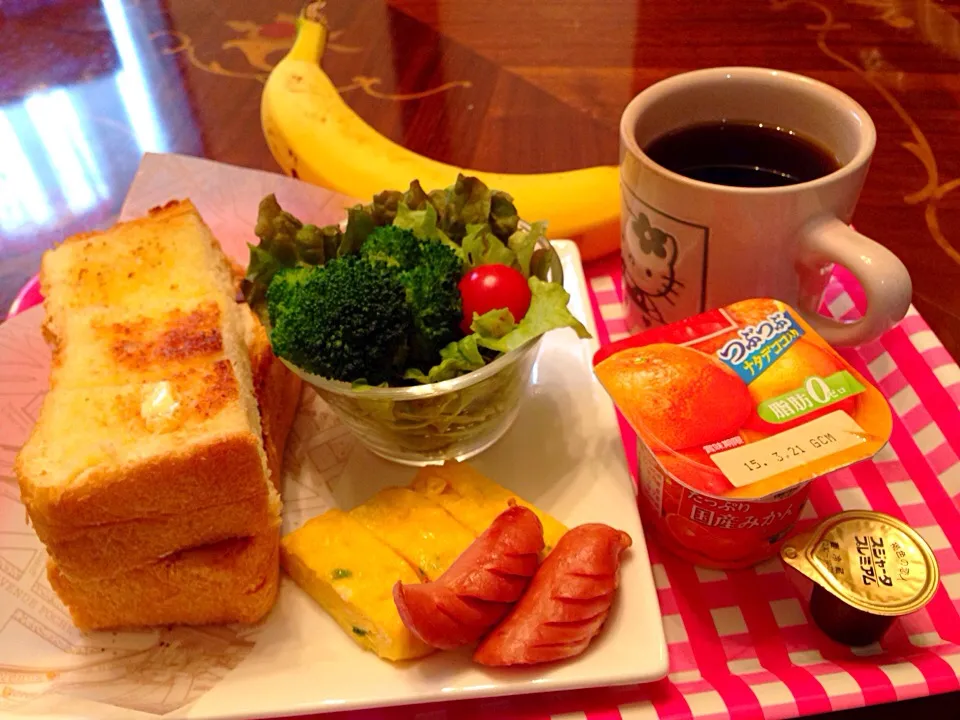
870 560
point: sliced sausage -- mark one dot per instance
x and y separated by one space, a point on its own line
479 588
566 604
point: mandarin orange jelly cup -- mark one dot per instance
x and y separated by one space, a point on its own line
736 411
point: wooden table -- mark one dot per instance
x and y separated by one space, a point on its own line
527 86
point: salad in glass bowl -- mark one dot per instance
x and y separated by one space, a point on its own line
418 320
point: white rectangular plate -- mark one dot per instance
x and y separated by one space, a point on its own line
563 453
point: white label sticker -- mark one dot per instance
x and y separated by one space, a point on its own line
790 449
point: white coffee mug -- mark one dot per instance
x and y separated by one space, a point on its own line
690 246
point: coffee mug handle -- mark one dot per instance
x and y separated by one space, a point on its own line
884 279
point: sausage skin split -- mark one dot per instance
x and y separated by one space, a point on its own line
566 604
479 588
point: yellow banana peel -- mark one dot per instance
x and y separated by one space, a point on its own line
315 136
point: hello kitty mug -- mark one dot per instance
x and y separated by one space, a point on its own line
689 246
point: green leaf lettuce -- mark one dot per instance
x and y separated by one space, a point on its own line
548 311
497 331
482 247
524 242
457 358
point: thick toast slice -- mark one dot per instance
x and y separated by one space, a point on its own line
230 582
169 254
151 410
108 550
147 472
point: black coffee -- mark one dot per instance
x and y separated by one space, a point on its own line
743 154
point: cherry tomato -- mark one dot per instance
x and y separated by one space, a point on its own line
493 287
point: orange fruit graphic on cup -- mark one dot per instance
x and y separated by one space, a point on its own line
753 311
696 469
800 361
744 313
676 397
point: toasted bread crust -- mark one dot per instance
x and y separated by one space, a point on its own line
278 409
106 551
231 582
210 472
278 394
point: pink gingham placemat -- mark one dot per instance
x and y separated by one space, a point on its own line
741 643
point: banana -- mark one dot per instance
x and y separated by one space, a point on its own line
315 136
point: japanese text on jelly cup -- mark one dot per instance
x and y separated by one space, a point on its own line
736 411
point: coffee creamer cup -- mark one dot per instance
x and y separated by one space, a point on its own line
868 569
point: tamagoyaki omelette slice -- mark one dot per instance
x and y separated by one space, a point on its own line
418 529
476 501
351 574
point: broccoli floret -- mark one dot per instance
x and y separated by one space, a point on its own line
392 246
369 316
430 271
346 320
434 299
442 259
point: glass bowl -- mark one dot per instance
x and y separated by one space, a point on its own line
450 420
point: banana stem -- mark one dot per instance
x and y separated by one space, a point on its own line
311 38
